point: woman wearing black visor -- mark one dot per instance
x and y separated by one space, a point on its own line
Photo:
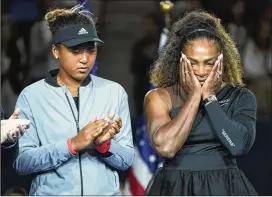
80 129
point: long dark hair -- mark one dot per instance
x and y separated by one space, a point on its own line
196 24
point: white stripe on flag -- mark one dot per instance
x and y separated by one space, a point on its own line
141 170
127 191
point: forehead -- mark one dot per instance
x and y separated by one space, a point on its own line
201 47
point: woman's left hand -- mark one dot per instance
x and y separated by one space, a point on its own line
110 131
214 78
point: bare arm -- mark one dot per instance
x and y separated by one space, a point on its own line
168 136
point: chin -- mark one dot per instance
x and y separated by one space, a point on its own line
81 76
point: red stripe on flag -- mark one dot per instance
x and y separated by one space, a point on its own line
135 187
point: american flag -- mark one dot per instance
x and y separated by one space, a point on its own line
145 163
146 160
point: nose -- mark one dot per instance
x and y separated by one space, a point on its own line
84 57
201 71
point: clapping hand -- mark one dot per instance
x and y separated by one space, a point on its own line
13 128
114 126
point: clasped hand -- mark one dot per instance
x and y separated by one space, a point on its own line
97 132
110 129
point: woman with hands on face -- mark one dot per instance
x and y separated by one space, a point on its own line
204 86
200 117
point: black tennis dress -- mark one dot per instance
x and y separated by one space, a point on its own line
206 163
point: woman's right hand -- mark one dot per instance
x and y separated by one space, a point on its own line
188 79
87 135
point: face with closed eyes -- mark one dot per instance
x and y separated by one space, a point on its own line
76 62
202 53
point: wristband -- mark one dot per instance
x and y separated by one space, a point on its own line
103 148
69 141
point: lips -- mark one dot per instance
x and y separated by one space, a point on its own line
83 69
201 82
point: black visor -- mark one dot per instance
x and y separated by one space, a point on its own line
73 35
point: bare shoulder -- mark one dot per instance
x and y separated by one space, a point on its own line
159 93
158 96
156 108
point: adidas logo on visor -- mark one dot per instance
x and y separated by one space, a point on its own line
82 31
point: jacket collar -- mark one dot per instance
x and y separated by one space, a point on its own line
51 78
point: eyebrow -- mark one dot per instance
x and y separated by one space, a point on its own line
88 45
206 60
82 47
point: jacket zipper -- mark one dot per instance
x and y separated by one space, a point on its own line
79 153
115 179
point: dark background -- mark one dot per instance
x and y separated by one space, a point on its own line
131 31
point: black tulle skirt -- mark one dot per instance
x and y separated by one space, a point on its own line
198 176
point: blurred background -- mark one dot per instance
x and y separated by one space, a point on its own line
133 32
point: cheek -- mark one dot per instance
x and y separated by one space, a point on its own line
209 69
92 57
68 58
69 61
195 68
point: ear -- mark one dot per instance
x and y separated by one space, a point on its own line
55 51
